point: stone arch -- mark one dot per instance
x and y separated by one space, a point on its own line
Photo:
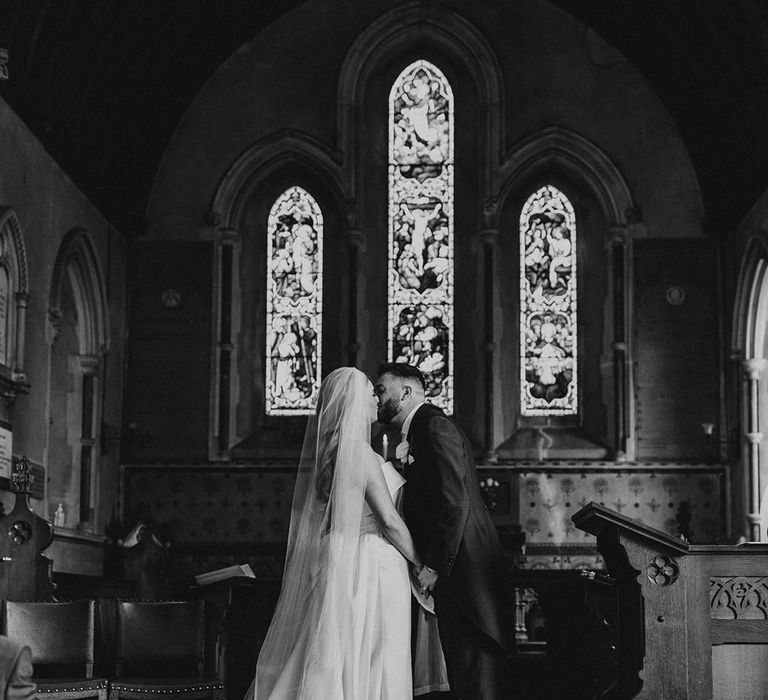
238 391
573 155
79 339
421 23
566 157
9 221
78 264
264 158
751 301
750 341
14 258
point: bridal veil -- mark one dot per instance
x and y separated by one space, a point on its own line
314 608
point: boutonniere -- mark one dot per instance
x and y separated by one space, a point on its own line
403 452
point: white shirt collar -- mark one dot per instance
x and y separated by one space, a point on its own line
407 422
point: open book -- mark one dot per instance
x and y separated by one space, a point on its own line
225 573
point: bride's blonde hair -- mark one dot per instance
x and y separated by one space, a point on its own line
337 396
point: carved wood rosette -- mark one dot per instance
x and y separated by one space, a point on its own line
662 570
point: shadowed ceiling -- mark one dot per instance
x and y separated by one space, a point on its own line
103 83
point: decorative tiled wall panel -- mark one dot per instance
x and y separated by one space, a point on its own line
541 497
218 515
212 504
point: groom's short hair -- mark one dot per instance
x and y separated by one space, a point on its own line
403 370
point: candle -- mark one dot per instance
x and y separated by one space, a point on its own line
384 447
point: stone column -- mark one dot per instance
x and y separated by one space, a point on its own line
21 323
88 370
488 237
620 346
355 242
228 239
752 369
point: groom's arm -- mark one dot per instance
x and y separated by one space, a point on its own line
450 470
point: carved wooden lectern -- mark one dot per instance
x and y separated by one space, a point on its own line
25 574
692 619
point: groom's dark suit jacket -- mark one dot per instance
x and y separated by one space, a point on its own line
449 522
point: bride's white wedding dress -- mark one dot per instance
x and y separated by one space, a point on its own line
376 649
342 624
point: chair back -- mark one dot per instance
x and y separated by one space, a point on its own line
56 633
153 632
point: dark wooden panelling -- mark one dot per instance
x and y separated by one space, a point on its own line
676 340
169 351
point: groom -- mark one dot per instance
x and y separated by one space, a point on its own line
453 533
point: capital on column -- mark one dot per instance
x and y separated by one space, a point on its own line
617 234
753 366
488 236
355 239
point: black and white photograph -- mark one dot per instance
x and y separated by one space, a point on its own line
384 349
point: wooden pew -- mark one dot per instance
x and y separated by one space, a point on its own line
692 619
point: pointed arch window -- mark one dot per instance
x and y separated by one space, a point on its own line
77 313
14 293
421 226
548 305
294 303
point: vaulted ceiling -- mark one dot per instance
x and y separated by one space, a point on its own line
103 83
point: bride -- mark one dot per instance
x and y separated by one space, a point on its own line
341 630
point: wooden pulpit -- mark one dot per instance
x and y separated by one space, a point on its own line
25 574
692 619
240 612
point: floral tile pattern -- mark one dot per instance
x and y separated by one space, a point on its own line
220 515
652 497
212 504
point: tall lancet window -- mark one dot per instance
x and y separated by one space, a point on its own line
421 161
294 303
548 330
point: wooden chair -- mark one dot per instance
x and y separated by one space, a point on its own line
162 645
60 636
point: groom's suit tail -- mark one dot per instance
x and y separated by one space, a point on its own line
450 523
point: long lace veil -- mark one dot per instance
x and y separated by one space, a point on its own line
313 609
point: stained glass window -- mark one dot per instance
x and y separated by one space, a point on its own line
294 303
421 162
548 330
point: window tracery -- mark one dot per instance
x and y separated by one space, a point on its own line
548 305
421 226
294 303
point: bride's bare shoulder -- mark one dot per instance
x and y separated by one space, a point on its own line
370 455
379 459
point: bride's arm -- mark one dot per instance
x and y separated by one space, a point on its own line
392 525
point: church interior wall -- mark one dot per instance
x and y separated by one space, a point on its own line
173 396
542 88
269 118
49 208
